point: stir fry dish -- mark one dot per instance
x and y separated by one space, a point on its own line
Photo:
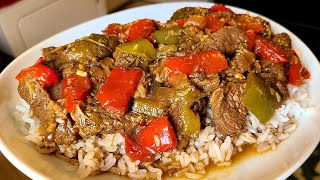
149 99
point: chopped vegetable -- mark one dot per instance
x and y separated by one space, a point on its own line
251 38
268 50
75 88
118 89
150 107
140 29
158 136
219 8
168 35
140 47
196 21
181 22
113 29
88 48
137 152
297 72
214 23
260 99
209 62
45 75
249 23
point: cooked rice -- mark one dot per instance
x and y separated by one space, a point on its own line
107 153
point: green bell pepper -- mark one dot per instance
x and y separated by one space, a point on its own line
169 36
140 47
260 99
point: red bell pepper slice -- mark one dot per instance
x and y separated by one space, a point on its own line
140 29
251 38
249 23
113 29
220 8
268 50
181 22
137 152
75 88
297 72
45 75
212 61
214 23
158 136
119 87
40 60
209 62
182 65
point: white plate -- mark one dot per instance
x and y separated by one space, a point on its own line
278 164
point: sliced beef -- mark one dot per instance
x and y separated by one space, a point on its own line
174 114
207 84
65 133
80 54
42 107
185 12
282 40
129 60
242 62
275 75
55 91
229 112
227 40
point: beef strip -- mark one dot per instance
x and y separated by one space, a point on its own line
282 40
176 122
205 83
229 112
275 75
240 63
66 133
46 110
55 91
128 60
227 40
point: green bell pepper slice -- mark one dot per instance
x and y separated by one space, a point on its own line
140 47
260 99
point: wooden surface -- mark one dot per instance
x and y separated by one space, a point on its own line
9 172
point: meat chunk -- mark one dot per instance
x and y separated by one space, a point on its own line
42 107
128 60
240 63
55 91
283 40
205 83
229 112
227 40
65 132
174 114
275 76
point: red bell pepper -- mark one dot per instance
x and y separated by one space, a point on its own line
140 29
249 23
297 72
113 29
119 87
40 60
75 88
209 62
137 152
214 23
219 8
45 75
268 50
181 22
251 38
158 136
